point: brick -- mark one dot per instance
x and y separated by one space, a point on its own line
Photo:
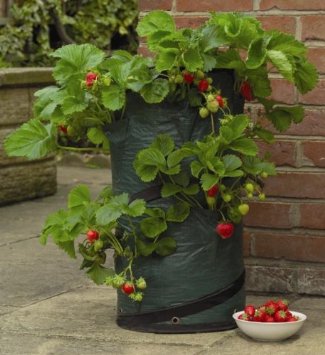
15 106
283 23
313 27
312 215
296 184
292 4
26 76
283 91
143 49
310 280
314 151
190 21
269 215
214 5
316 96
310 248
246 243
281 152
317 56
265 278
148 5
27 181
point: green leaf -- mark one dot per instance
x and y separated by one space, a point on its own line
164 143
113 209
113 97
231 60
78 196
196 168
155 91
192 59
170 189
99 273
178 212
136 208
285 43
208 180
231 162
305 76
148 162
264 134
155 38
75 61
281 119
151 227
166 246
192 189
245 146
256 54
32 140
209 62
177 156
155 21
259 78
144 248
166 59
97 136
68 247
209 39
282 63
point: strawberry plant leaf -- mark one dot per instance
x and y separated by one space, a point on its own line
32 140
231 162
282 63
97 136
155 21
170 189
192 189
99 273
155 91
208 180
178 212
145 249
264 134
192 59
113 97
256 54
245 146
285 43
136 208
113 209
68 247
305 76
164 143
148 162
196 168
166 246
79 196
151 227
166 59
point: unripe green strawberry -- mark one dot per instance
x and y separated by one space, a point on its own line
141 283
199 74
171 79
249 187
250 195
210 80
210 97
227 197
204 112
213 106
261 196
118 281
71 131
178 79
136 296
243 209
264 174
98 245
107 80
211 202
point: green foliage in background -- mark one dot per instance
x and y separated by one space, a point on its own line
38 27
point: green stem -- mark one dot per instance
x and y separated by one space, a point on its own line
212 124
83 150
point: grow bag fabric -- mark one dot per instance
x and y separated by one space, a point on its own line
198 287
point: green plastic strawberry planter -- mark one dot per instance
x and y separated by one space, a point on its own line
198 287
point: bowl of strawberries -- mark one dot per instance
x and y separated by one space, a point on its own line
273 321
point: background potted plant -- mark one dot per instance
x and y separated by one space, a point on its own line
185 163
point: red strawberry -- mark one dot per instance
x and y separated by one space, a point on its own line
203 85
225 229
282 304
90 79
220 101
188 77
269 319
271 307
243 316
249 310
246 91
213 191
63 129
280 316
259 315
92 235
128 288
292 319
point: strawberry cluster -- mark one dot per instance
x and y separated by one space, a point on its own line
271 311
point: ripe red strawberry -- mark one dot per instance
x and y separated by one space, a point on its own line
246 91
292 319
243 316
90 79
259 315
249 310
282 304
271 307
280 316
225 229
188 77
203 85
212 192
220 101
269 319
92 235
128 288
63 129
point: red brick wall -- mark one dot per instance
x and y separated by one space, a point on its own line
290 225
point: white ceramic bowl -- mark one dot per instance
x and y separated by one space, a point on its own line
270 331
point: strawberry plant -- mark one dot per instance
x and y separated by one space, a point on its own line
220 171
